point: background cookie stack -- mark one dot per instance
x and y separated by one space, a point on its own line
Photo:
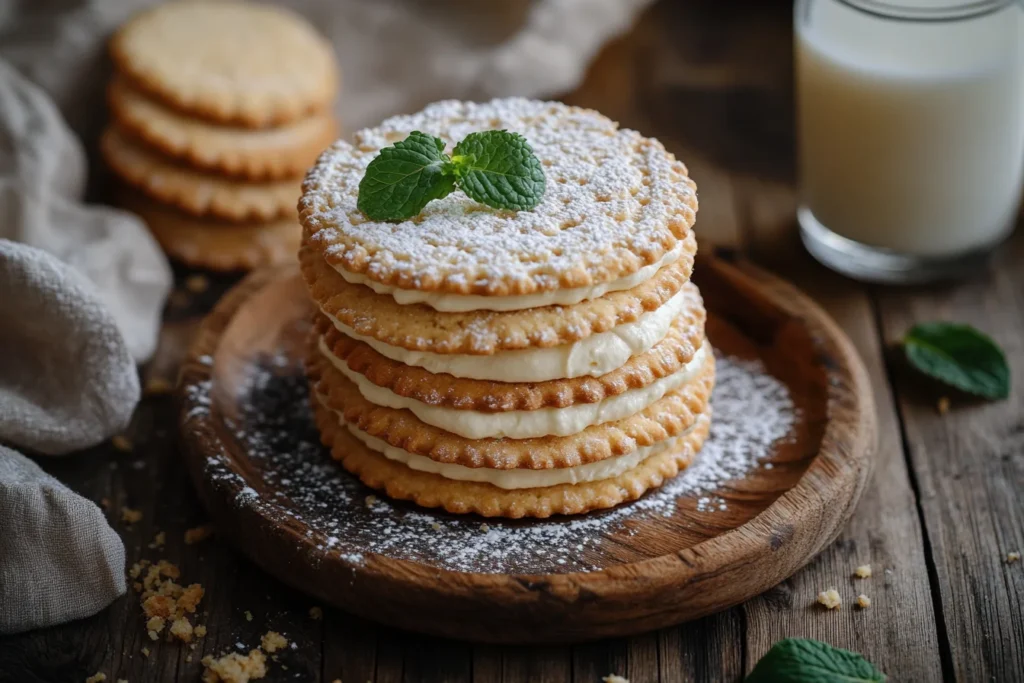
514 364
218 109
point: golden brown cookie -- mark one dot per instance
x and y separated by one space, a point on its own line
669 417
422 328
615 203
232 62
212 244
285 151
443 390
198 193
461 497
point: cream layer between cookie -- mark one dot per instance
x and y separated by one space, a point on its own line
518 478
595 355
459 303
525 424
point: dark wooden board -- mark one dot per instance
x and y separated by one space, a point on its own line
664 571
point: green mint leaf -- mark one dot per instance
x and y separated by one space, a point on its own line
403 178
499 169
801 660
961 356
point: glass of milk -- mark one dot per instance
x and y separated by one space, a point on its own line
911 133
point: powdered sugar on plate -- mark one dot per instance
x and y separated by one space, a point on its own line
753 411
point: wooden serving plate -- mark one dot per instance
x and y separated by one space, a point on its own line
643 572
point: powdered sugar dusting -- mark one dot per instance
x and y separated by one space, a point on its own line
615 202
753 411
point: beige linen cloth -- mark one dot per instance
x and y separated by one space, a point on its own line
82 287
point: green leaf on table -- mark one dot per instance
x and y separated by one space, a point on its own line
499 169
405 177
960 356
802 660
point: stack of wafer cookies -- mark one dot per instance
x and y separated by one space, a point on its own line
218 109
513 364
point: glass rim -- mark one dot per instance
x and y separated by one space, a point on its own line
953 11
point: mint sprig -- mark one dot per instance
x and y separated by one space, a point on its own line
802 660
493 167
960 356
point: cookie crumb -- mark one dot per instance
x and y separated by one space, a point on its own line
863 601
830 599
248 615
1012 557
199 631
370 500
436 526
316 613
131 516
197 284
96 678
273 641
159 540
614 678
485 528
164 600
121 443
190 598
943 405
181 628
145 652
234 667
863 571
198 534
155 626
158 386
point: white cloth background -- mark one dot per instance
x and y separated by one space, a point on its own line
82 287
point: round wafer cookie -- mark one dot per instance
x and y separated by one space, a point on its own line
421 328
615 203
196 192
666 418
216 245
678 347
232 62
460 497
270 153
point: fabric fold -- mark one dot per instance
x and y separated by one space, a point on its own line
59 559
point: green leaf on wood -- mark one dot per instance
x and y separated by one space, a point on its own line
960 356
802 660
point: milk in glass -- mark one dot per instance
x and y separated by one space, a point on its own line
911 132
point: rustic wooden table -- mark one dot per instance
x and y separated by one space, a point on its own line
713 81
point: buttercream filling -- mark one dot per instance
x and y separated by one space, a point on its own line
595 355
517 478
460 303
524 424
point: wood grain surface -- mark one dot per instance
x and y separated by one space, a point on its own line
940 512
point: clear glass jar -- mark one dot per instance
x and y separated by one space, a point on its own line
911 133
